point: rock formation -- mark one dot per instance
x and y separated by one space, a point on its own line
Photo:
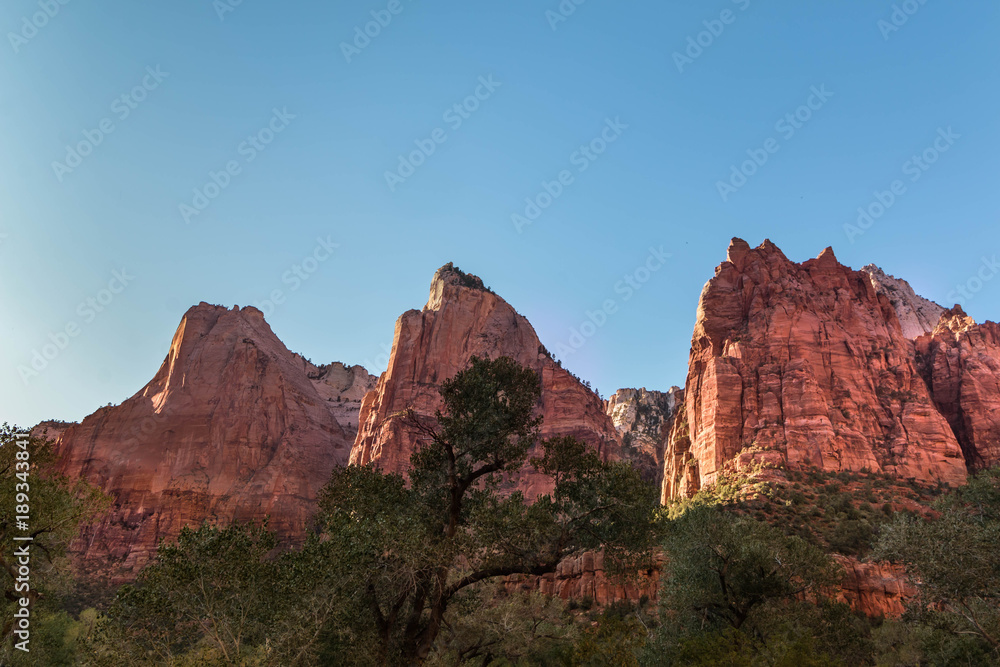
343 387
917 315
960 360
585 578
230 428
643 420
462 319
874 588
803 365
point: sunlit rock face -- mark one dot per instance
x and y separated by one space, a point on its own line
232 427
803 365
463 319
917 315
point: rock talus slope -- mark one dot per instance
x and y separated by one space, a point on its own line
803 365
230 428
462 319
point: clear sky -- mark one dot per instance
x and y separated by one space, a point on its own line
286 117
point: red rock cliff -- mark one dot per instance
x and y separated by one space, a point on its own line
803 365
230 428
463 319
961 362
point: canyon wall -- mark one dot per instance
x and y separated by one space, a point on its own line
803 365
960 361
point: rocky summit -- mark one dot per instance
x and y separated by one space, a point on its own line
462 319
232 427
803 365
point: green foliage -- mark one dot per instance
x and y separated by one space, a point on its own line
213 594
487 625
737 591
953 560
57 508
406 555
727 570
466 279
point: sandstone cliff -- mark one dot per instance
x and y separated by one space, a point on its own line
462 319
643 419
960 360
230 428
803 365
917 315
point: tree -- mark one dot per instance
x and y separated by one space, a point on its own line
488 623
953 561
55 507
405 552
736 589
213 595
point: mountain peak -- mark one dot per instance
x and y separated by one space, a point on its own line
916 314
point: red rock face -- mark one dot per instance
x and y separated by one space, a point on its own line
230 428
463 319
960 361
803 365
874 588
585 577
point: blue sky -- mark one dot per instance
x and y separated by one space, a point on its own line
207 89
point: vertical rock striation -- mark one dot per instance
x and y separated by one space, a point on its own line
803 365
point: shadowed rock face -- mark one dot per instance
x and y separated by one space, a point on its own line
960 361
463 319
643 419
804 365
230 428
